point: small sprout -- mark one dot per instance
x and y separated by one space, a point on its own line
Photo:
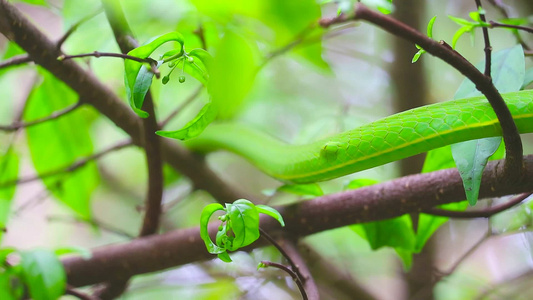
181 79
261 265
165 79
61 57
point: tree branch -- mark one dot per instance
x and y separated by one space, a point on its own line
513 144
378 202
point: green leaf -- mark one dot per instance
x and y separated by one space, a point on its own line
58 143
207 212
11 287
9 166
359 183
471 158
514 21
309 189
429 29
34 2
476 16
234 70
508 73
224 256
438 159
194 127
267 210
461 21
43 273
244 219
417 55
384 6
198 64
140 88
396 233
133 68
83 252
459 33
406 256
428 224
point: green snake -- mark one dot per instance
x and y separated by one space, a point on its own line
389 139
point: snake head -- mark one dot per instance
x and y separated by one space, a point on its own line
330 151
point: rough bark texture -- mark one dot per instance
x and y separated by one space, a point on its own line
378 202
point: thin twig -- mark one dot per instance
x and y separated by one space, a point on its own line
70 168
271 240
494 24
152 62
302 269
55 115
200 33
503 10
488 48
15 60
291 273
184 104
485 213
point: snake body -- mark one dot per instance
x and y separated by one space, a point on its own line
389 139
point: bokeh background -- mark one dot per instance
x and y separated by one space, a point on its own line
351 76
